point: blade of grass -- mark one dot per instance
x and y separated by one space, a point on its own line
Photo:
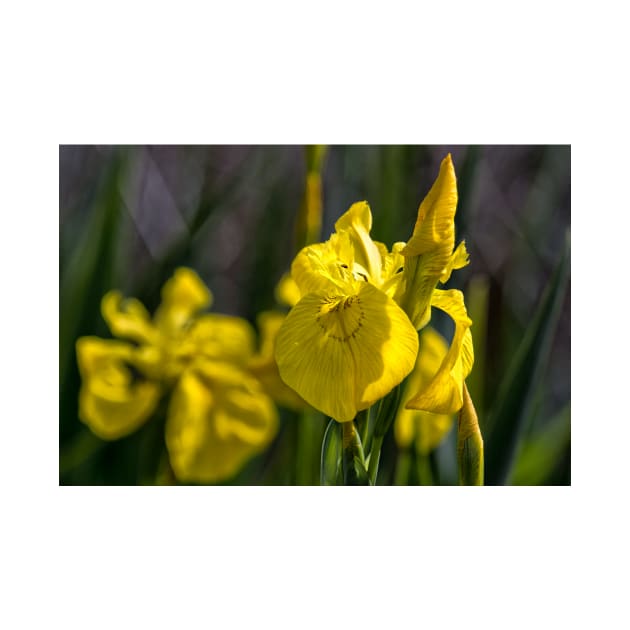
541 453
508 416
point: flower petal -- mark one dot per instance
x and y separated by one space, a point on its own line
458 260
127 318
342 353
435 225
429 249
222 337
218 419
444 394
264 367
325 266
426 429
287 291
357 222
113 402
183 296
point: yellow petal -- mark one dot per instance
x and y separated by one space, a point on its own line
113 402
223 337
218 419
444 394
287 292
426 429
428 252
435 224
325 266
342 353
183 296
127 318
357 222
393 266
264 367
458 259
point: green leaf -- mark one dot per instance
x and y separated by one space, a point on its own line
511 411
331 473
85 277
542 452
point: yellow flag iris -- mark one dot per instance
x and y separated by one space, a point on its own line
218 417
351 337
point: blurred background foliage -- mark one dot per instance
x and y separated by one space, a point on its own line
129 216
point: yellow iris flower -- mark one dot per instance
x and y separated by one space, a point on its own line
218 416
352 336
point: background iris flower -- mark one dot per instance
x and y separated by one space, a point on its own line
218 416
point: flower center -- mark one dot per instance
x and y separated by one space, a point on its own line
341 317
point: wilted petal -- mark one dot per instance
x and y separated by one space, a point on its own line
444 394
342 353
113 400
218 419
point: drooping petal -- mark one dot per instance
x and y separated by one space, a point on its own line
113 401
429 249
444 394
423 428
183 296
127 318
264 367
342 353
218 419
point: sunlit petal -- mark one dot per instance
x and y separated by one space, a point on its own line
428 251
342 353
357 222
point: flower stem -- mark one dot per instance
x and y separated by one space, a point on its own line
375 456
403 468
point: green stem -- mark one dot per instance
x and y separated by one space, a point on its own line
423 468
403 468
